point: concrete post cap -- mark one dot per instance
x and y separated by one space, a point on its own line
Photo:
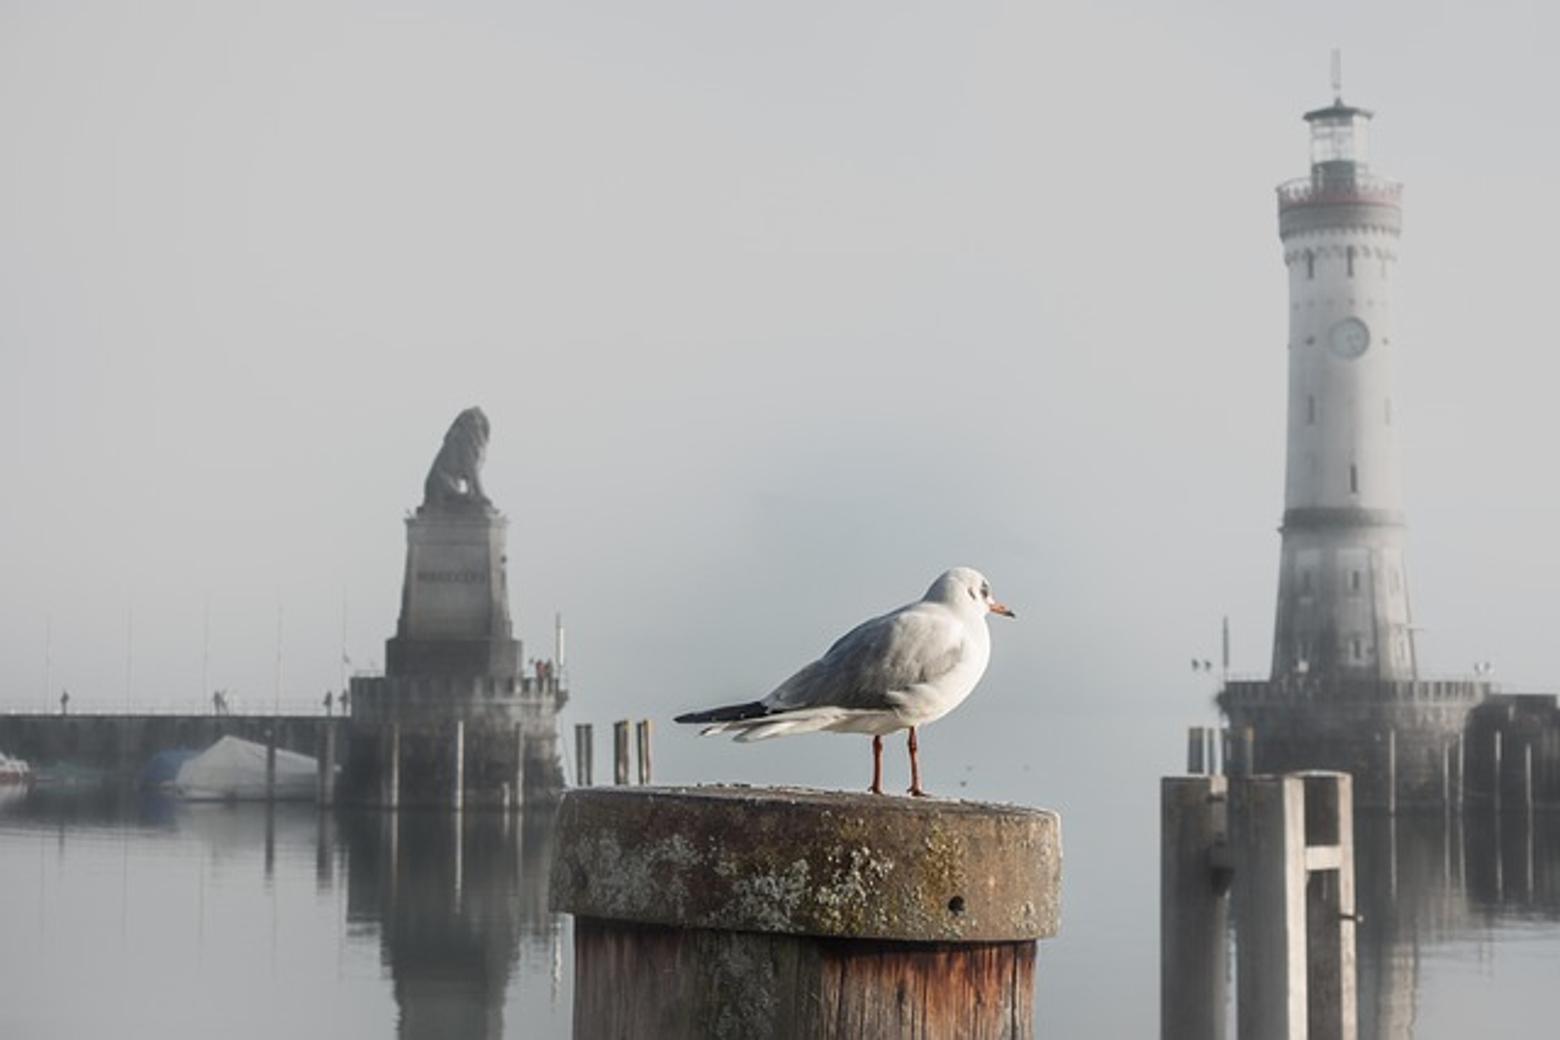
805 862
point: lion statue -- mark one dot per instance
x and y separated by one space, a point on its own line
455 479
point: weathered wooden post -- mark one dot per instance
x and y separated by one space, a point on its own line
584 748
390 775
458 768
1194 751
1331 974
1293 852
1267 825
749 913
620 752
1392 777
270 763
1193 908
642 736
517 798
1495 769
326 785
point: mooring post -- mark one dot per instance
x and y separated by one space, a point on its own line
517 800
1267 825
1462 786
620 752
583 746
458 777
1194 751
1332 996
326 787
270 763
642 738
1193 908
1392 778
1527 775
390 775
719 912
1495 769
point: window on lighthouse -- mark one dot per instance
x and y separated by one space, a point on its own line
1310 264
1349 259
1354 479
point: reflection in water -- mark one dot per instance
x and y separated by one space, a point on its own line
1426 880
198 919
457 898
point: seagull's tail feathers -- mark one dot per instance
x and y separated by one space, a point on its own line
784 723
728 713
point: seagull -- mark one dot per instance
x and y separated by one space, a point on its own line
899 671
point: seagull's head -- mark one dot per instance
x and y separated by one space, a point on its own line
966 589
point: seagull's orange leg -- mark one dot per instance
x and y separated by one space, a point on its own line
877 765
915 767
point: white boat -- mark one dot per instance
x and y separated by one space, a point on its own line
234 770
14 770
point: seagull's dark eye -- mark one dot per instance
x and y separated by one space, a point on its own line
985 590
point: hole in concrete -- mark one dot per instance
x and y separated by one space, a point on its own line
956 905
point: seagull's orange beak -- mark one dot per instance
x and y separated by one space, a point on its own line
997 608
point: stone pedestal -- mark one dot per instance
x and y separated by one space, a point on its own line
455 598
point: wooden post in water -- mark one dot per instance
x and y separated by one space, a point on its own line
326 787
458 770
1292 849
1194 751
1267 828
517 798
1193 908
1332 988
390 775
584 748
1392 779
642 737
1495 770
270 763
620 752
756 914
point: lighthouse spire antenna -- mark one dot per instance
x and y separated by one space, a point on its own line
1337 75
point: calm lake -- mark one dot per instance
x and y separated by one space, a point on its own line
133 918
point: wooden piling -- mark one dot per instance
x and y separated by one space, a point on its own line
1495 769
642 738
458 768
1391 772
620 752
390 776
1195 764
517 785
1332 1000
326 782
270 764
1267 827
584 749
1193 907
752 913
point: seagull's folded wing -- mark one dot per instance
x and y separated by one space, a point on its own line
876 660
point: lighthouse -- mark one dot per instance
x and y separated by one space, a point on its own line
1343 585
1346 691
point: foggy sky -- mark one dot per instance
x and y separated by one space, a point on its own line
777 311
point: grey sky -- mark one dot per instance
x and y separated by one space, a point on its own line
777 310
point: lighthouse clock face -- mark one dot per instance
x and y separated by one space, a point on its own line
1349 338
